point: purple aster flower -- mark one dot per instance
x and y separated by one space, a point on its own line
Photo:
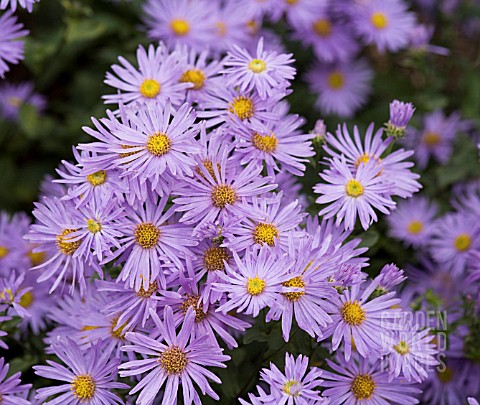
385 24
351 195
150 243
362 321
410 352
11 294
271 225
13 248
400 115
157 78
342 88
280 145
454 237
11 389
90 376
28 4
181 359
11 50
300 12
204 198
390 276
180 22
413 221
294 386
264 72
361 381
13 95
420 37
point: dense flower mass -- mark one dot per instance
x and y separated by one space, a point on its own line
206 232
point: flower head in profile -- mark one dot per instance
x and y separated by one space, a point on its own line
400 115
12 392
88 378
174 359
11 49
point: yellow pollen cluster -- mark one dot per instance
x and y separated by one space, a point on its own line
363 386
336 80
150 88
209 166
402 348
35 258
255 285
180 27
94 226
354 188
26 300
352 313
159 144
223 195
296 282
14 101
291 2
431 138
83 387
195 76
291 388
265 143
152 288
117 333
322 27
221 28
379 20
97 178
7 295
147 235
257 65
193 301
3 252
462 242
265 233
213 258
242 107
365 158
173 360
415 227
63 244
445 376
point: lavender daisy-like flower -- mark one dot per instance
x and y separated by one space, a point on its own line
361 381
265 72
90 376
360 320
157 78
400 115
351 195
385 24
11 50
181 359
11 389
27 4
11 294
14 95
413 221
13 248
342 87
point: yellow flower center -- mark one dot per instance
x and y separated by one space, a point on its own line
150 88
354 188
291 2
221 28
255 285
152 288
83 387
379 20
97 178
363 386
147 235
242 107
445 376
265 233
173 360
36 258
365 158
223 195
265 143
291 388
296 282
94 226
213 258
207 163
7 295
257 65
63 244
119 332
431 138
195 76
402 348
180 27
159 144
415 227
322 27
462 242
336 80
193 301
88 327
3 252
26 300
352 313
14 101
